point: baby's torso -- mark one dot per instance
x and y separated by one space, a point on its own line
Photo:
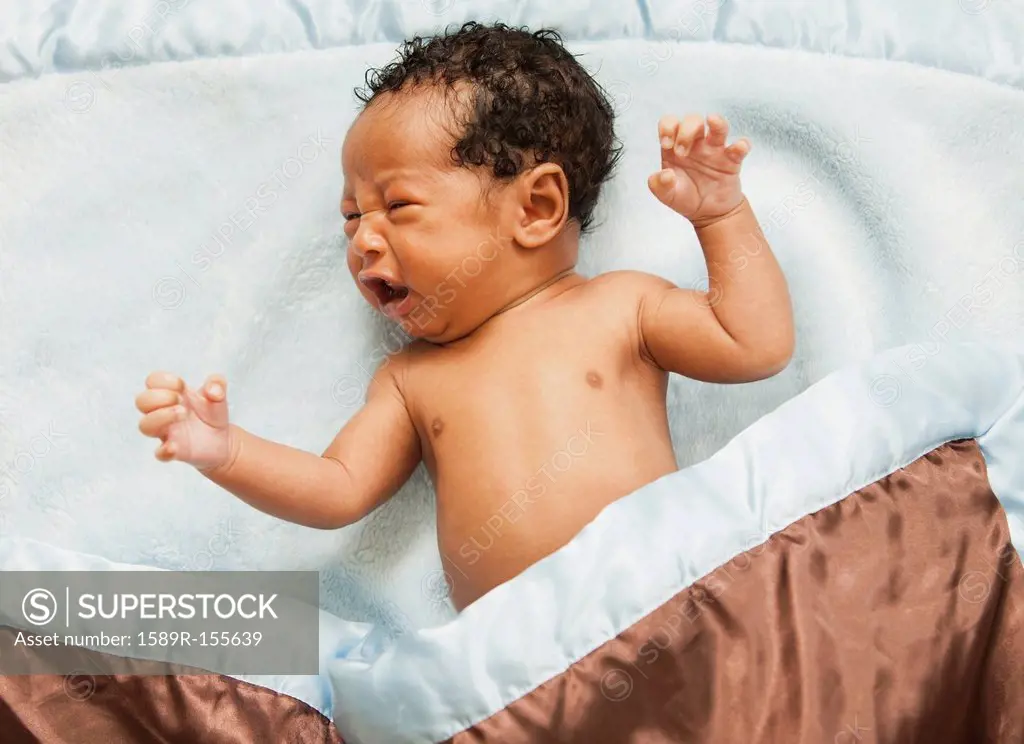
530 430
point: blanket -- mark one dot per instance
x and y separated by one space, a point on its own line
843 570
836 559
169 181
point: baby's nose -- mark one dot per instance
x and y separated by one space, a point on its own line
366 241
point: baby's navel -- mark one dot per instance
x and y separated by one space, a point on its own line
436 427
594 380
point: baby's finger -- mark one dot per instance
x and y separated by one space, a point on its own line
151 400
215 388
718 130
668 126
165 380
691 131
166 452
739 150
155 424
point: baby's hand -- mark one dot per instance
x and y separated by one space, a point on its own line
192 426
700 174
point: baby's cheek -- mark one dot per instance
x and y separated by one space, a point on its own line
353 261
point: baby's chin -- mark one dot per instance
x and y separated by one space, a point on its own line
414 327
432 329
413 321
433 332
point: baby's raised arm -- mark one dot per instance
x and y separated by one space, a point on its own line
741 330
368 461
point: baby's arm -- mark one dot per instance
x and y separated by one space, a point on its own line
368 461
742 328
739 331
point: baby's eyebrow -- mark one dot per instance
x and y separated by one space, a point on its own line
409 178
404 175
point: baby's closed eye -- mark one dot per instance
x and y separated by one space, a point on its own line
403 211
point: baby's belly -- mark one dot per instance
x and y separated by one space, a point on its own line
497 515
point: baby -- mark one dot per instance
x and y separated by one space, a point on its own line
534 395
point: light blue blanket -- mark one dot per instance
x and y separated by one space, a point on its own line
887 144
844 433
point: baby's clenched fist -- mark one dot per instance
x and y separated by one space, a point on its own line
192 426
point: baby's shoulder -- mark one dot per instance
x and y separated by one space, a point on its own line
395 364
415 354
627 284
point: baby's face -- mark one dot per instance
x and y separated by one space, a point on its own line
422 238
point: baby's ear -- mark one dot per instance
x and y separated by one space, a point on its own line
542 205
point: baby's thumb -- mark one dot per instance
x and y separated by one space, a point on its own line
662 184
215 389
215 393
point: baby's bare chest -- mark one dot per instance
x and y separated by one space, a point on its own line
521 371
519 400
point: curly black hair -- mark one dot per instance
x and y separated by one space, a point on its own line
531 101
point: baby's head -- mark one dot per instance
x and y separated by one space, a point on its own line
470 173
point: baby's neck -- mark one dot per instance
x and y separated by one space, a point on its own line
548 289
537 290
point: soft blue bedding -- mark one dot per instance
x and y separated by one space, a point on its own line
977 37
887 143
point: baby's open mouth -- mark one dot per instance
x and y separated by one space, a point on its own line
386 292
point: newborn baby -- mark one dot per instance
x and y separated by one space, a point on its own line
534 395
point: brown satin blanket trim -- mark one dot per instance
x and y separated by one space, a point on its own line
895 615
177 706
